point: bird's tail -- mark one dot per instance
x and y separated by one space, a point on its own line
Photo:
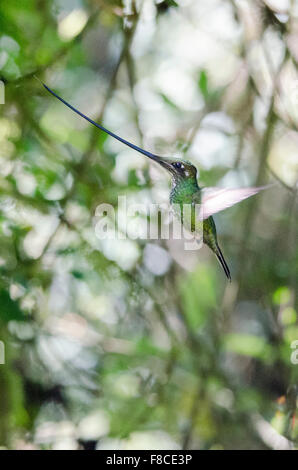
222 261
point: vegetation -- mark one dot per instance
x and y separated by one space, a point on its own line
138 343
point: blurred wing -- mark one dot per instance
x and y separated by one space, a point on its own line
216 199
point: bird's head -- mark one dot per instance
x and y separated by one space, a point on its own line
178 168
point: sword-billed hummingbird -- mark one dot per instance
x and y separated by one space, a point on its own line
185 190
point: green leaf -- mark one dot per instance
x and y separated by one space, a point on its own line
169 102
9 309
172 3
203 84
282 296
198 296
249 345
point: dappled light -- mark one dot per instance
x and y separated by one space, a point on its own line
131 341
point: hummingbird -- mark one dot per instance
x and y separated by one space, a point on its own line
186 191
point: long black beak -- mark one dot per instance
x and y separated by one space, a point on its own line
156 158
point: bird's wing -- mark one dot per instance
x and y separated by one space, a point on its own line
214 200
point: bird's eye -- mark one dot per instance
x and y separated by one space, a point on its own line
178 165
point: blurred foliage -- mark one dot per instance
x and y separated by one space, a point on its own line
134 343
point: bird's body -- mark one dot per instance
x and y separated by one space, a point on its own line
203 202
186 192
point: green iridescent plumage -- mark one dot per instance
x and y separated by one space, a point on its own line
185 191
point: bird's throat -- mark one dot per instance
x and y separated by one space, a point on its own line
183 190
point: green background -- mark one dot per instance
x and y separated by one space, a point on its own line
131 344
